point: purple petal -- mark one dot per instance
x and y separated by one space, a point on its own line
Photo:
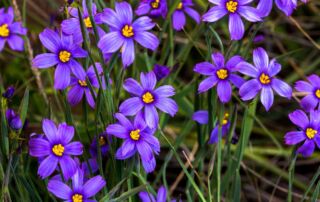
247 69
148 80
249 89
47 166
89 98
126 150
50 130
78 52
93 186
317 140
144 150
260 58
74 148
307 148
124 12
264 7
68 166
65 133
214 14
204 68
39 147
214 136
249 13
178 20
17 28
162 194
16 42
164 91
236 27
309 102
217 2
167 105
45 60
303 86
111 42
224 91
133 87
201 116
75 95
142 24
193 14
143 8
315 118
110 17
314 80
233 62
153 142
238 81
71 25
294 137
61 76
123 120
50 39
151 116
131 106
147 40
207 83
274 68
149 166
59 189
127 53
146 197
117 130
285 6
267 97
282 88
299 118
218 59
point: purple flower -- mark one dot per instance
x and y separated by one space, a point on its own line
178 16
161 71
63 54
235 9
80 190
220 74
263 74
123 32
312 89
11 31
149 98
161 196
72 25
308 131
286 6
55 148
155 8
102 142
138 137
202 117
79 85
9 92
13 120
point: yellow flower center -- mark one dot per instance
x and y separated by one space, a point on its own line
310 132
225 119
64 56
147 98
318 93
179 7
135 134
102 141
127 31
222 73
58 149
264 78
82 83
77 198
4 30
232 6
87 22
155 4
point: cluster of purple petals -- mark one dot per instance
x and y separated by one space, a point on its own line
11 31
161 196
138 133
286 6
13 120
56 151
